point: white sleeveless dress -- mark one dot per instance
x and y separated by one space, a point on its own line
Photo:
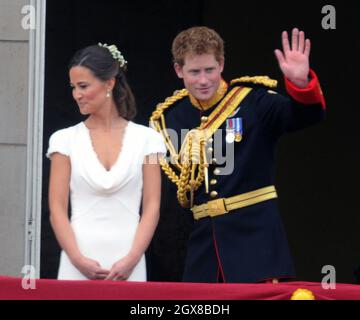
105 204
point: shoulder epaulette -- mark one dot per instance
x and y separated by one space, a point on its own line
260 80
161 107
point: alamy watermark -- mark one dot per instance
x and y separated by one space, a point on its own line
29 278
329 281
329 20
28 22
217 151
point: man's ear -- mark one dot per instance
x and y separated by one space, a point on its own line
179 70
222 64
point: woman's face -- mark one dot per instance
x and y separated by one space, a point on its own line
89 92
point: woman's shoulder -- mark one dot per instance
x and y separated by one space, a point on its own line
65 135
149 139
147 135
144 130
67 132
61 140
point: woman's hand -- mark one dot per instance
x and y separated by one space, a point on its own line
91 269
122 269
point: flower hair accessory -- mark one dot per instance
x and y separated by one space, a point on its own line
115 53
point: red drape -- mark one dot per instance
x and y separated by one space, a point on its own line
12 289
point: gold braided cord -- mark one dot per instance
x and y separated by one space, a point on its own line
203 166
199 164
183 185
262 80
178 95
173 177
171 174
158 121
197 157
185 182
191 161
193 158
169 144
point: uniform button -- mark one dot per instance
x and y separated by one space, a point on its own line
213 182
211 140
210 150
213 194
217 172
214 161
204 119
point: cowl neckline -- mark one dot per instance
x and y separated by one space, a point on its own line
94 172
118 158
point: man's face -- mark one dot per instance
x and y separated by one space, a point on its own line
201 75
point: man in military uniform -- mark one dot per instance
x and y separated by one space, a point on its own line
237 235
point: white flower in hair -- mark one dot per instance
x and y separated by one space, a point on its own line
115 53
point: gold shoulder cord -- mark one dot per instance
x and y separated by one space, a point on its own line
157 120
262 80
192 156
185 161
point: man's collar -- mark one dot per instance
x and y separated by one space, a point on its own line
218 96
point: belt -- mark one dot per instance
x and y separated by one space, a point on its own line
225 205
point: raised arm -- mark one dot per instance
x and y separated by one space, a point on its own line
294 59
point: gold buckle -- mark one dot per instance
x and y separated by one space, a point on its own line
216 208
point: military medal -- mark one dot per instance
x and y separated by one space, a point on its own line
239 131
230 131
230 136
234 130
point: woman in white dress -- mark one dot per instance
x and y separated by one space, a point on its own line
107 165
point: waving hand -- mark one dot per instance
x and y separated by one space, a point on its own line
294 59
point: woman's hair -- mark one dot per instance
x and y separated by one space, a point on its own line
100 61
197 41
